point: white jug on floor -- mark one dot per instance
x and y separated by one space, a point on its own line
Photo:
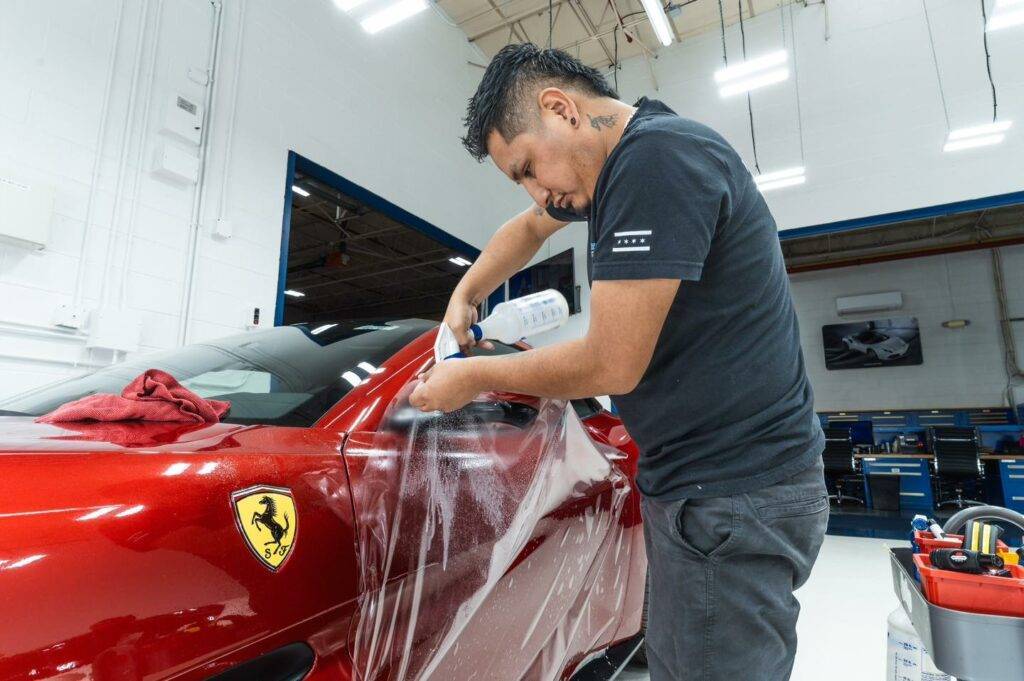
906 657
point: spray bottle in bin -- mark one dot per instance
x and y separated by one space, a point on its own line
517 319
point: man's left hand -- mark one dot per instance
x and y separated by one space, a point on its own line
448 386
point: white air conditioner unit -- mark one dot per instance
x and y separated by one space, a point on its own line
872 302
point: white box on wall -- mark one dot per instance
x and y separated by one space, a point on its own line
183 118
26 210
176 165
872 302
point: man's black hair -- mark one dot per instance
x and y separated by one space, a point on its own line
502 100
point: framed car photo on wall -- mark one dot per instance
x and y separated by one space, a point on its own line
877 343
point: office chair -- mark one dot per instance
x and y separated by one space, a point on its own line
840 466
956 461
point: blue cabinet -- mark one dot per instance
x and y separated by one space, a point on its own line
914 480
1008 486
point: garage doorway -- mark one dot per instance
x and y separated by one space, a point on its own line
347 253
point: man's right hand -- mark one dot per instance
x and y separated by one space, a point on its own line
506 253
460 315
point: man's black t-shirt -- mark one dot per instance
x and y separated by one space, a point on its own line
725 406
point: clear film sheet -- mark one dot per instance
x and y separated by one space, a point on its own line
491 543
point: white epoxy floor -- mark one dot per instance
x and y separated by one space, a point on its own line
844 607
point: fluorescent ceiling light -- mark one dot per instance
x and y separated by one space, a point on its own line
352 377
750 66
299 190
977 136
368 368
983 141
780 174
974 131
1005 20
1005 14
294 294
790 177
347 5
754 82
389 16
659 20
321 329
460 261
779 184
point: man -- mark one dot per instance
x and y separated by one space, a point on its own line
692 328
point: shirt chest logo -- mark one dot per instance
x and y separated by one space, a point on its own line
638 240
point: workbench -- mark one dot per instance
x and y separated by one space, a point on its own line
1004 478
913 471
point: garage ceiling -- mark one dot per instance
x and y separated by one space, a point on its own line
969 230
351 261
586 28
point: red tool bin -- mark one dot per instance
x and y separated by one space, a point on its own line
972 593
926 542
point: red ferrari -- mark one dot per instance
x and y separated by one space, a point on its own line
324 529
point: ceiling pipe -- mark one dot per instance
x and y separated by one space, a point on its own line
581 14
510 20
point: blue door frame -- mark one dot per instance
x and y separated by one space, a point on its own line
378 203
905 215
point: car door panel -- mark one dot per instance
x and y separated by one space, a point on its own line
488 549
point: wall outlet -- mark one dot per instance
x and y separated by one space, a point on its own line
221 228
69 317
254 318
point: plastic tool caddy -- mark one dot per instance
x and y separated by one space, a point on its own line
964 620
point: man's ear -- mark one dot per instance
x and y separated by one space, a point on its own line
555 101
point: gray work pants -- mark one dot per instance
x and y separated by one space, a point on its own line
722 575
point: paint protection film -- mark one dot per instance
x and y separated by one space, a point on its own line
490 541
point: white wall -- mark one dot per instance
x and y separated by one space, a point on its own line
873 123
962 367
873 131
384 111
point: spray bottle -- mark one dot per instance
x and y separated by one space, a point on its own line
510 322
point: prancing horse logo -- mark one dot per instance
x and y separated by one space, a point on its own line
266 517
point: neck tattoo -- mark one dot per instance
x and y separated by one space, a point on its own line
607 121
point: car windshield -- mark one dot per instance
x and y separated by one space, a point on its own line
288 375
871 337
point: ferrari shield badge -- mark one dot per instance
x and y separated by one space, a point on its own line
267 520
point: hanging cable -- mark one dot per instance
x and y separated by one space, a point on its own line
721 20
796 85
551 21
935 60
615 39
988 60
782 23
750 106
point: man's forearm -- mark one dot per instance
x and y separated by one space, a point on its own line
506 253
567 370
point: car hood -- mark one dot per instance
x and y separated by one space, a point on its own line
21 435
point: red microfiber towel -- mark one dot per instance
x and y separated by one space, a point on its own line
152 396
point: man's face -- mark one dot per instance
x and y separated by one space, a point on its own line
551 160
